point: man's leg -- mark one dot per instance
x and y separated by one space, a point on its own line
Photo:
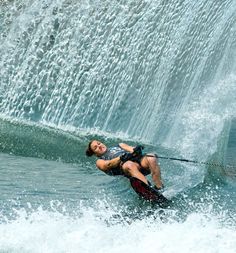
151 163
132 169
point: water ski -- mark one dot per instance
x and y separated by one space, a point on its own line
149 193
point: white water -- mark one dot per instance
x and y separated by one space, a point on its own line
52 232
119 67
197 128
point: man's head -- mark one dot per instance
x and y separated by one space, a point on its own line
96 148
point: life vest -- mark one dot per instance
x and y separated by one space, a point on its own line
110 154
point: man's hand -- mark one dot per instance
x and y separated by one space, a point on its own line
126 157
138 150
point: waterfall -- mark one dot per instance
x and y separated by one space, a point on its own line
161 71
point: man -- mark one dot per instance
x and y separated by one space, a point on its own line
125 160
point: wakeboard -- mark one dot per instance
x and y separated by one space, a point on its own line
148 193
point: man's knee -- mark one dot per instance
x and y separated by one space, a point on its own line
153 159
148 160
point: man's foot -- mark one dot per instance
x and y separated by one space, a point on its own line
159 189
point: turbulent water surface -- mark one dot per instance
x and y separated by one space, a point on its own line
157 73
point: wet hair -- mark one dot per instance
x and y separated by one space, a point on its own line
89 151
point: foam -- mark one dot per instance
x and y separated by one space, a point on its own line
52 231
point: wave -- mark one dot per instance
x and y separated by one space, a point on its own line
53 231
35 140
118 67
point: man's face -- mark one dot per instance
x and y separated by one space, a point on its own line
98 148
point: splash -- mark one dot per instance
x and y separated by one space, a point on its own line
52 231
118 67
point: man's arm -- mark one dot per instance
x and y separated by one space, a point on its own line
126 147
106 165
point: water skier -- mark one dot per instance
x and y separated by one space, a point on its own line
125 160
